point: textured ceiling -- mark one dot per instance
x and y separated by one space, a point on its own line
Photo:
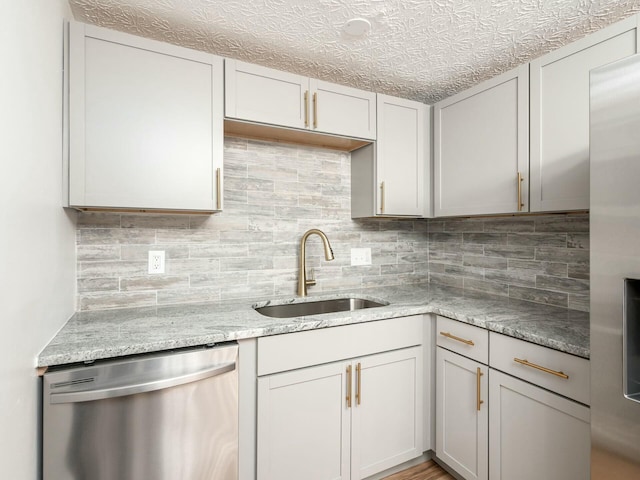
420 49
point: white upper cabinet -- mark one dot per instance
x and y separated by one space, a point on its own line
392 177
264 95
560 116
481 148
145 123
258 94
340 110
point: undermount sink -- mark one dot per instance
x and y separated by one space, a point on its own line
304 309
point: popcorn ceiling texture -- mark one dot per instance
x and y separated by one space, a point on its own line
273 193
424 50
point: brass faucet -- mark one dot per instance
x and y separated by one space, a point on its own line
303 283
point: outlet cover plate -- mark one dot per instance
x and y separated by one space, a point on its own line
360 256
156 261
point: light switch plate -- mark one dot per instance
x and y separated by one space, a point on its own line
360 256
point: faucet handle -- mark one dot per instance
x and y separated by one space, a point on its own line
311 277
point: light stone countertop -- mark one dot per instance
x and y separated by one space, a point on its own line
94 335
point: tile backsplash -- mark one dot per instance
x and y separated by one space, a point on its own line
542 259
273 193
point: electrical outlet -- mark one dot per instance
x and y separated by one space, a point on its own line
360 256
156 261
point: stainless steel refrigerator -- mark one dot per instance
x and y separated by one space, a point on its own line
615 270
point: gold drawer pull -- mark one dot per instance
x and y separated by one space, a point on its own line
358 383
218 189
306 108
478 376
381 197
453 337
520 204
348 386
315 110
543 369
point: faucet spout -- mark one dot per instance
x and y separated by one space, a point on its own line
303 283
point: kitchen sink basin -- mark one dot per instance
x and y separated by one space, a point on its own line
304 309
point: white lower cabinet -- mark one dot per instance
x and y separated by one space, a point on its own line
304 424
536 429
341 403
343 420
462 414
535 434
387 413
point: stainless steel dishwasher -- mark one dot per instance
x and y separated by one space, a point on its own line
170 416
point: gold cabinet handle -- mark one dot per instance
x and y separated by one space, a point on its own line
218 189
348 386
306 108
315 110
478 377
381 197
520 204
453 337
541 368
358 383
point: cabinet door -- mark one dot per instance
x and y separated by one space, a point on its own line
341 110
303 424
536 434
481 145
146 123
402 156
259 94
461 418
560 116
387 411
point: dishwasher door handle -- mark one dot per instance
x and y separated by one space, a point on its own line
132 389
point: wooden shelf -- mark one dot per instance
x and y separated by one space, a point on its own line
255 131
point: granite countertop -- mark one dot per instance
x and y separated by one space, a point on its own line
94 335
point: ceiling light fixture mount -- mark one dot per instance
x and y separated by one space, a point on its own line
357 27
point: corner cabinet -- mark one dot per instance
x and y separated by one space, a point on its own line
145 124
323 421
259 94
393 176
560 115
481 148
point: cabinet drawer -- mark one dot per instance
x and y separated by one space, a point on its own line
462 338
303 349
521 359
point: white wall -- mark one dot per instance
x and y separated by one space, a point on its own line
37 237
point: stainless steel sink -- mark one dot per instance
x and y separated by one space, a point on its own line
304 309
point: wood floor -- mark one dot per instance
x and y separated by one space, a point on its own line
425 471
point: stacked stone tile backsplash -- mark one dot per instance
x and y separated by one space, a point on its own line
273 193
543 259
